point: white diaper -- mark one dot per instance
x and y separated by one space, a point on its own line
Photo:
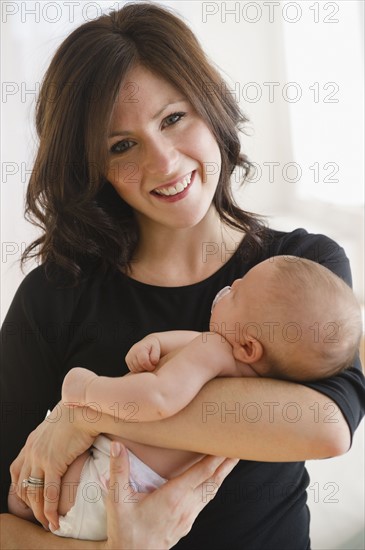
87 518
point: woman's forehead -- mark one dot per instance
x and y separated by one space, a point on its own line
146 93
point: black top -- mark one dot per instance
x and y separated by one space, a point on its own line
49 330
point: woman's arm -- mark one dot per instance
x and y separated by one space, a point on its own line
19 534
251 418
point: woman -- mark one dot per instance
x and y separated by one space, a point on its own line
131 184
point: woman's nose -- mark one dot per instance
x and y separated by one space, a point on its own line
160 157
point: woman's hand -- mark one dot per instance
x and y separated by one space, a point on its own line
159 519
48 451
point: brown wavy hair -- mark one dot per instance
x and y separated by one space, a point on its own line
83 220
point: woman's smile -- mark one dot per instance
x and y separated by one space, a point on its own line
170 147
175 191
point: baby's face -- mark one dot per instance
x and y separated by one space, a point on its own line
230 309
236 307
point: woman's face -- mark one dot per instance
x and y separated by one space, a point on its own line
163 159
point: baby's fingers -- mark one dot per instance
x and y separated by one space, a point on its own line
154 356
144 360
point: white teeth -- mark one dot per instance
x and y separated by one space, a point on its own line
175 189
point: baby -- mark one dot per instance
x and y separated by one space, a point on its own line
287 318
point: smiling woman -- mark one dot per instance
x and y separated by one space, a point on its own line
127 83
171 186
139 230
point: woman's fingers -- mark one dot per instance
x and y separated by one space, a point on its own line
32 494
16 467
119 467
209 487
20 483
224 469
46 457
201 471
186 495
195 488
36 503
121 525
161 518
52 490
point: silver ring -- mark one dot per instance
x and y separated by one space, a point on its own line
36 482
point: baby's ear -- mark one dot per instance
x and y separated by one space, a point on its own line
250 351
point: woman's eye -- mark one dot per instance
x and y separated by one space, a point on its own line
173 119
121 146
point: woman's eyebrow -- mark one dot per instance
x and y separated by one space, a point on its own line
128 133
168 105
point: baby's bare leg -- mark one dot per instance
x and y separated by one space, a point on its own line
75 384
18 507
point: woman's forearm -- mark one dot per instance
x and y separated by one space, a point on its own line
19 534
248 418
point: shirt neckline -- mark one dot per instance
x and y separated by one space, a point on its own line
140 284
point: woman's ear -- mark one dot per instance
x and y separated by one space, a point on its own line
250 351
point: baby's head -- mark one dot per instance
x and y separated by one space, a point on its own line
290 318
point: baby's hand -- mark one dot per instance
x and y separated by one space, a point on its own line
74 387
144 355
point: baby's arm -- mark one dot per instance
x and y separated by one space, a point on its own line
145 354
159 394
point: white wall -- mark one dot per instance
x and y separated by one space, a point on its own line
270 52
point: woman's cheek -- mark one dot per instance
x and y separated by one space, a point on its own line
118 177
116 174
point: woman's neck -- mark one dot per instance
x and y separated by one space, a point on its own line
181 257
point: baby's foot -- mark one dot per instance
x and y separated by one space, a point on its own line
75 383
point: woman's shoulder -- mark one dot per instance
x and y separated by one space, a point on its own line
42 281
53 279
46 290
299 242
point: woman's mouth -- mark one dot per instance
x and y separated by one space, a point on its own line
175 191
